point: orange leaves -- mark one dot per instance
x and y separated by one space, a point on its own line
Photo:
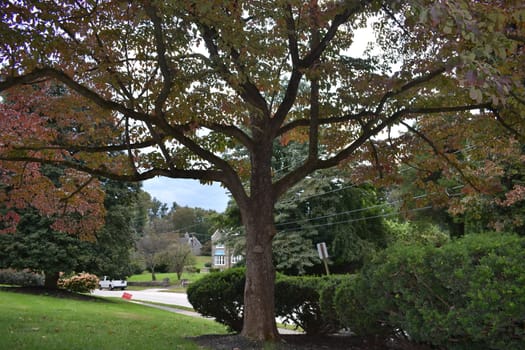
514 196
74 199
31 119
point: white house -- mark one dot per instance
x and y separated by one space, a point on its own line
222 256
192 241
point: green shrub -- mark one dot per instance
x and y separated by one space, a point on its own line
327 300
81 283
470 293
21 278
190 269
220 295
361 307
297 302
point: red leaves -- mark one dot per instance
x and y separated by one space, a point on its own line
514 196
75 201
29 130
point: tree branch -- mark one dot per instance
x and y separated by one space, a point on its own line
246 90
338 20
75 86
413 83
311 165
440 153
204 175
323 121
160 46
232 131
299 65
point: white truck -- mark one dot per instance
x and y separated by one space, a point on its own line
111 284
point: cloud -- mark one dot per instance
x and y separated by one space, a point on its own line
189 193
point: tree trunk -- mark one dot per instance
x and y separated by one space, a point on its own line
153 276
51 279
257 216
259 290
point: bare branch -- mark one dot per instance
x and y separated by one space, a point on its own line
161 58
324 121
411 84
440 153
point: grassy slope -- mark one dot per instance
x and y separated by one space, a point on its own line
42 322
199 263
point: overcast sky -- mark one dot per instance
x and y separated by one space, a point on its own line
187 193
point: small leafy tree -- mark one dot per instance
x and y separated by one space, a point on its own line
177 256
151 247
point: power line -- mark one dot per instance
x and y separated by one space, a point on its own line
317 195
336 214
358 219
363 209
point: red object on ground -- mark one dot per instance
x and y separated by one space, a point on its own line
126 296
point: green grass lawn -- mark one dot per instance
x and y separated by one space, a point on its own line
44 322
201 260
146 276
190 276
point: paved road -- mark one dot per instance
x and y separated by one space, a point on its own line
151 295
158 296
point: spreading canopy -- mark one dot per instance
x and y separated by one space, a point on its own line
162 88
175 88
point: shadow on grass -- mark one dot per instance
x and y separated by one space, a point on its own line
57 293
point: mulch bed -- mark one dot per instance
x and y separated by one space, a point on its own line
57 293
306 342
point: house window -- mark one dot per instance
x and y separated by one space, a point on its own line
235 259
219 260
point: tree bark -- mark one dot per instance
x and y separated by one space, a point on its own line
257 216
259 290
51 279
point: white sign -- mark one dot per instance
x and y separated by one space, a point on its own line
323 252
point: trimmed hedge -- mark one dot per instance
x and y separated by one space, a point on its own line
220 295
21 278
467 294
297 302
307 302
327 300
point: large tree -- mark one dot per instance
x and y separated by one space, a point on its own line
172 88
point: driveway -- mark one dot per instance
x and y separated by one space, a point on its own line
151 295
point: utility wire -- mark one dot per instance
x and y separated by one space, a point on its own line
358 219
359 209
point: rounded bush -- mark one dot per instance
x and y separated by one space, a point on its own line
469 293
220 295
81 283
297 302
23 278
327 292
